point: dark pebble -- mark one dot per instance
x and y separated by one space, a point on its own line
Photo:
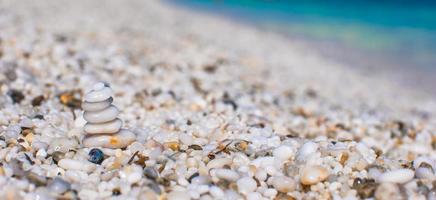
116 192
56 156
365 187
150 173
37 100
16 95
96 156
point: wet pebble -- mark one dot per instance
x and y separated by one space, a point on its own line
313 174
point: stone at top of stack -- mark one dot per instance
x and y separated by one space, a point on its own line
103 127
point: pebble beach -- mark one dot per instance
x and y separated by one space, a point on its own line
218 110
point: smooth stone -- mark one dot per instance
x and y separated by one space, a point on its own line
246 185
396 176
283 152
178 195
307 149
71 164
96 106
99 95
107 127
98 86
424 173
254 196
121 139
102 116
226 174
284 184
218 163
59 185
314 174
131 173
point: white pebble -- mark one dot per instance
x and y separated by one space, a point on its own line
307 149
246 185
178 195
119 140
226 174
96 106
101 128
101 116
216 192
98 95
283 152
254 196
313 174
284 184
76 165
396 176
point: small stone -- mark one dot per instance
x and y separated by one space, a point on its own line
246 185
178 195
76 165
131 173
37 100
388 191
16 96
150 173
284 184
254 196
365 187
307 149
59 186
102 116
121 139
396 176
96 156
103 128
313 174
283 152
71 99
99 95
227 174
96 106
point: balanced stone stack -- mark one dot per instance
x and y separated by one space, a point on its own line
103 127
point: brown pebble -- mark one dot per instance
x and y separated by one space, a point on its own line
365 187
37 100
71 99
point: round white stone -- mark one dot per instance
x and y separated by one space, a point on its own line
283 153
121 139
284 184
396 176
107 127
307 149
96 106
246 185
102 116
98 95
226 174
98 86
76 165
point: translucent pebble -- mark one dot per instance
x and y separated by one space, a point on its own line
98 86
284 184
246 185
216 192
307 149
313 174
283 152
59 186
254 196
178 195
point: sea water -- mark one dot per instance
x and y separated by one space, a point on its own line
381 34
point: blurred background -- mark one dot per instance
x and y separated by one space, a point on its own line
393 38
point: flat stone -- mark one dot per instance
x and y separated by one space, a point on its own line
102 116
96 106
121 139
103 128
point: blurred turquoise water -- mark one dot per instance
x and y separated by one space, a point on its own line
402 32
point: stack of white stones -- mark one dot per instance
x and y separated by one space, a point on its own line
103 127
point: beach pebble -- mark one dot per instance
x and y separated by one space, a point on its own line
246 185
216 192
96 106
59 186
98 95
313 174
131 173
254 196
219 162
102 116
102 128
178 195
76 165
118 140
396 176
226 174
388 191
307 149
284 184
283 152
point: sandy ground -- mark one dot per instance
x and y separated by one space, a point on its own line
170 67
